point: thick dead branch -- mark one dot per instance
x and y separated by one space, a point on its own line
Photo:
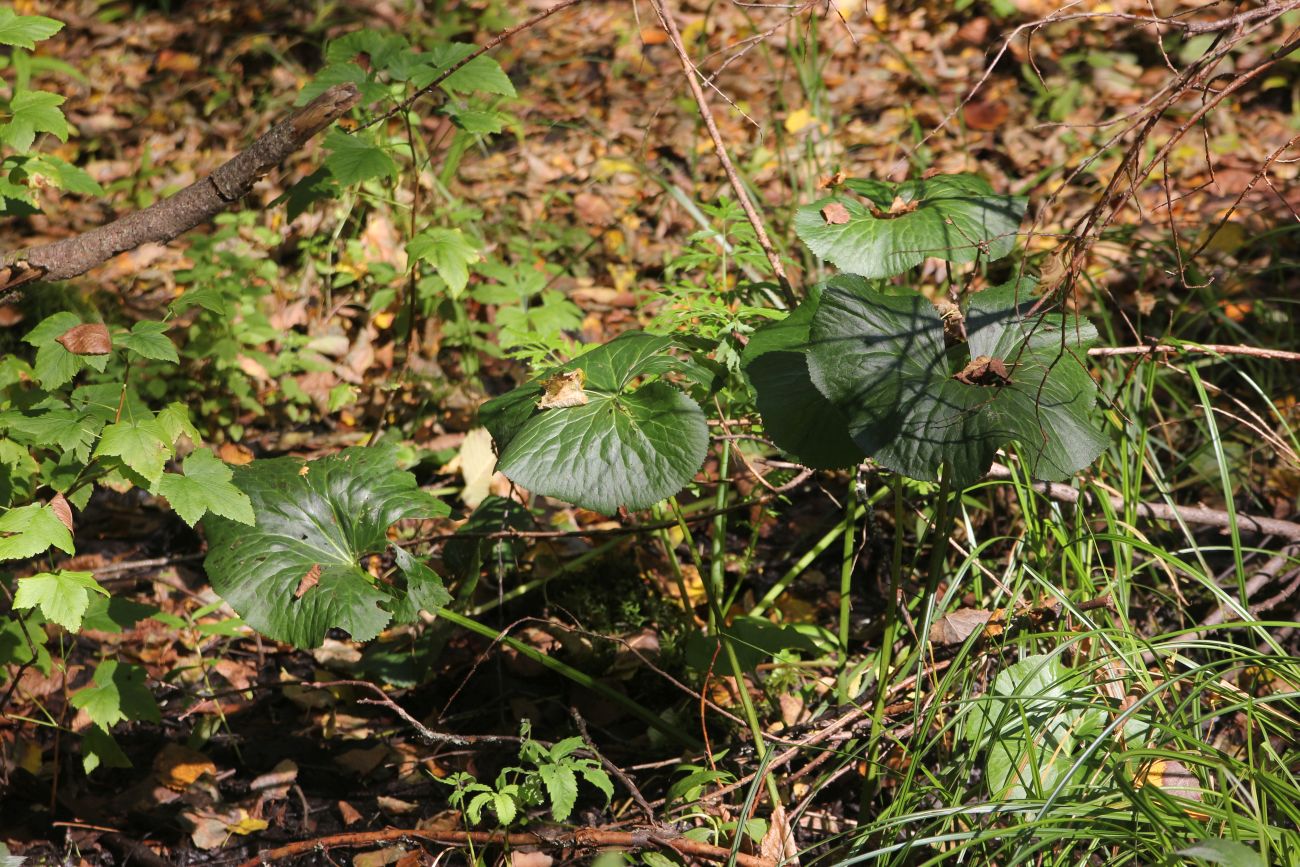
197 203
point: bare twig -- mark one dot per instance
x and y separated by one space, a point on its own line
424 731
558 840
720 147
197 203
1205 348
611 767
1200 515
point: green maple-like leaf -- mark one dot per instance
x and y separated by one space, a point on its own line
119 693
891 228
30 112
353 159
24 31
318 519
449 252
148 340
140 443
561 789
63 597
481 75
28 530
205 487
625 447
882 361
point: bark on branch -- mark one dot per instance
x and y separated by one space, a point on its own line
197 203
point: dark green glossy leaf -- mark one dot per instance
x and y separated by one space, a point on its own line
796 416
953 217
319 517
625 447
882 361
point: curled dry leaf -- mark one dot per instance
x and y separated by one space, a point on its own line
62 510
89 339
310 580
564 390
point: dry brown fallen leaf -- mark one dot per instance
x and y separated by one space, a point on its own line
835 214
62 510
956 627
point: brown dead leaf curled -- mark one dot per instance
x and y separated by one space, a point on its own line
62 510
564 390
89 339
310 580
835 214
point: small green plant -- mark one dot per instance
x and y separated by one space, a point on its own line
548 776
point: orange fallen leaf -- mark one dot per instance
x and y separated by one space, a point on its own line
234 453
835 214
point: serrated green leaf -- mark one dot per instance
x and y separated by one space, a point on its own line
28 530
54 365
599 779
114 614
561 789
953 217
174 419
100 750
62 596
30 112
320 517
24 31
149 340
64 175
68 430
504 806
424 588
481 75
119 693
341 73
449 252
353 159
882 361
205 487
623 447
140 443
796 416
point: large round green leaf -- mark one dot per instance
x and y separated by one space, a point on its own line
796 416
882 361
297 573
889 228
625 446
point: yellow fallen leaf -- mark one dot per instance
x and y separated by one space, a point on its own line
798 120
247 826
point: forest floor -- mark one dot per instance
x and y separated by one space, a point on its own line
598 183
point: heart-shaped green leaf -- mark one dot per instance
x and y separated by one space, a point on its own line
298 573
796 416
889 228
882 361
624 446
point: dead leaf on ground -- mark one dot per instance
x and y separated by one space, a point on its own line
350 814
235 454
178 766
986 116
958 626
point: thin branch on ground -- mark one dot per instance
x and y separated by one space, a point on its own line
561 841
1204 348
1199 515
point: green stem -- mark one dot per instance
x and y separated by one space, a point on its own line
579 677
846 571
716 622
